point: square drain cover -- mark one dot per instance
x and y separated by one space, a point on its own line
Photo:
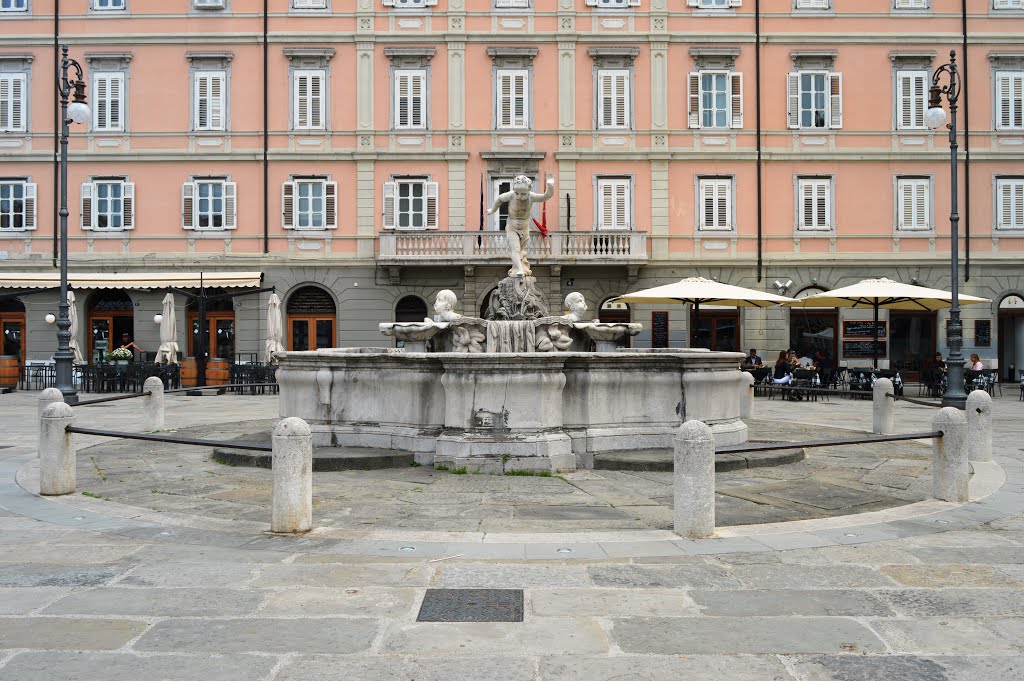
472 605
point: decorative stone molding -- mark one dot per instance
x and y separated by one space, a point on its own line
824 60
613 56
209 60
410 57
512 57
510 163
712 58
15 63
909 61
1006 60
108 61
309 57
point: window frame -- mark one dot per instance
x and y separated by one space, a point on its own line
723 187
600 222
1016 105
90 194
527 118
190 200
94 6
1015 183
423 74
197 76
290 197
830 210
627 99
733 94
920 181
15 105
391 208
917 116
833 95
110 76
30 205
24 9
297 74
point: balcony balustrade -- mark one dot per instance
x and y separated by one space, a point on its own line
482 247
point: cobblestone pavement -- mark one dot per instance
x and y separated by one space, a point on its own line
93 589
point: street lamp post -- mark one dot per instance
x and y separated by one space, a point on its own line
934 118
76 112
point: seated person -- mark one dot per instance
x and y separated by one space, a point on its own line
823 363
976 364
128 344
783 370
933 371
752 360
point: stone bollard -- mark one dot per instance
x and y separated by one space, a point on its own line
979 426
46 398
57 473
950 470
153 404
746 395
293 477
694 480
883 409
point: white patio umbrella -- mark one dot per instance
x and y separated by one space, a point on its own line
73 318
888 294
275 329
698 291
168 351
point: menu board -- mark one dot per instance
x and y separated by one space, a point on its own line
982 333
854 349
659 329
857 328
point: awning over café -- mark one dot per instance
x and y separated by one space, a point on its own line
130 280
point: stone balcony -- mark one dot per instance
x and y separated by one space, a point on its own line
489 247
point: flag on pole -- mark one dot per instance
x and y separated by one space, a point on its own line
542 226
479 239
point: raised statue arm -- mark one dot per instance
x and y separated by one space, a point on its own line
548 193
498 200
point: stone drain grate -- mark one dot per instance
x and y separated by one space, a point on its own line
472 605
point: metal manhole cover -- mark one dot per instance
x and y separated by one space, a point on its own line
472 605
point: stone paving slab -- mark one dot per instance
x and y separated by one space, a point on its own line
159 602
954 602
664 668
378 602
57 633
265 635
833 603
87 666
946 636
610 603
544 636
333 668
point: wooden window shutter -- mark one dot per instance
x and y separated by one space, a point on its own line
217 82
793 100
202 104
921 204
736 91
17 121
389 218
430 190
906 205
330 205
521 93
823 217
287 205
188 205
622 99
622 205
87 216
607 202
128 205
835 100
6 102
604 98
316 101
708 201
301 100
905 99
116 94
30 205
230 205
100 117
504 99
693 99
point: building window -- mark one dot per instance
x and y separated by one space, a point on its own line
613 99
209 97
911 99
208 204
1009 100
613 202
513 99
308 100
1010 203
812 4
13 5
103 5
911 4
13 88
310 203
17 205
410 203
209 4
613 4
1007 4
913 204
309 4
715 200
501 185
108 204
716 99
815 100
410 99
814 204
714 4
108 101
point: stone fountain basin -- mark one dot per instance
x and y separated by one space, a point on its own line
534 411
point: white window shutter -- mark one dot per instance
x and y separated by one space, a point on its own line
217 82
18 87
300 102
793 100
504 99
693 99
330 205
188 205
87 215
622 99
6 102
128 205
606 205
921 204
906 217
288 205
823 201
116 98
316 101
389 218
30 205
606 114
835 100
622 207
708 204
430 190
520 100
919 99
904 100
102 102
736 90
230 205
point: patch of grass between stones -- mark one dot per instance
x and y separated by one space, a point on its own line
536 474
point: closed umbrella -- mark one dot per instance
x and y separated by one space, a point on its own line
275 329
698 290
73 318
168 352
888 294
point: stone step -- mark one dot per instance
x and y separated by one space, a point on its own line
661 460
324 458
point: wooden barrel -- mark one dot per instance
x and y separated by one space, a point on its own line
188 372
9 371
216 371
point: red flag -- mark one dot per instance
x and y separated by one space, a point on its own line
542 226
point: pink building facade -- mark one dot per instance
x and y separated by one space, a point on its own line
345 149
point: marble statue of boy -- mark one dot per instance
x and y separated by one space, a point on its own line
444 306
517 229
577 306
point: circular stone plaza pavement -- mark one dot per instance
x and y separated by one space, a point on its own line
833 568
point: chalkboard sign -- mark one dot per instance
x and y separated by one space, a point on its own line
659 329
856 328
982 333
852 349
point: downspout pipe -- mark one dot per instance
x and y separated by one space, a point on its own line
56 124
964 79
757 109
266 134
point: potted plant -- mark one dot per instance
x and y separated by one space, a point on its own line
119 356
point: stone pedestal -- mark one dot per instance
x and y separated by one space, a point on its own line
517 298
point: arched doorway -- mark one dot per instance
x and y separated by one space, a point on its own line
111 319
311 319
12 325
616 313
1011 336
814 328
410 309
220 326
